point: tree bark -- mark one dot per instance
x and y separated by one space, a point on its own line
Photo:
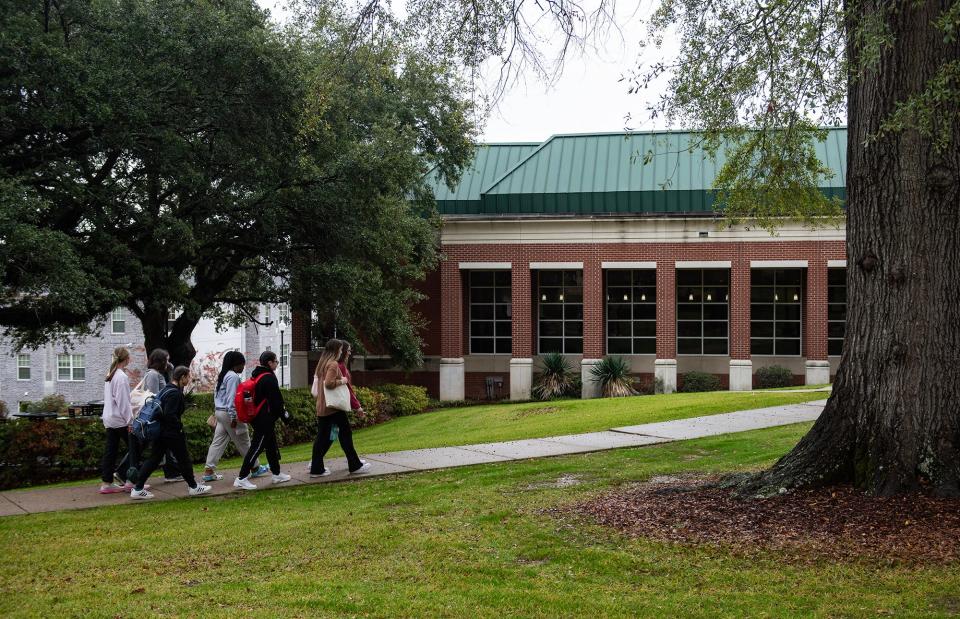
892 424
176 341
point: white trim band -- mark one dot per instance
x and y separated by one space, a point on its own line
556 265
703 264
628 265
778 264
836 264
476 266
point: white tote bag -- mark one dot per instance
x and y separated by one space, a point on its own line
138 397
338 398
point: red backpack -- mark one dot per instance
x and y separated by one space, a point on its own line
243 401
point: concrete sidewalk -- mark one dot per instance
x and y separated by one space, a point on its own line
18 502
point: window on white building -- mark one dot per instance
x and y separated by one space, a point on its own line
71 367
560 311
118 321
284 354
23 367
266 313
284 311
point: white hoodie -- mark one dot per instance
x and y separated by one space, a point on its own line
117 412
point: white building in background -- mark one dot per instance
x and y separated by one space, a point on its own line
77 371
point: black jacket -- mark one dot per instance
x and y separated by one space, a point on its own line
268 388
173 404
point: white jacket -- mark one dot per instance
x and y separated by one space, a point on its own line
117 412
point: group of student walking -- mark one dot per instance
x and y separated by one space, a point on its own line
332 388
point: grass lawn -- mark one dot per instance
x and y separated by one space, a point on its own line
468 542
507 422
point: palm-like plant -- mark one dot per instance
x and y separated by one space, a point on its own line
613 374
555 380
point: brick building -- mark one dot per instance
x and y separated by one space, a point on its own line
578 246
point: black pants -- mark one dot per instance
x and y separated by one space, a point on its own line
133 459
264 439
322 443
177 445
114 438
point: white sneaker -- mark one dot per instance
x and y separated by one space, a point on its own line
325 472
282 477
244 483
140 495
201 489
364 467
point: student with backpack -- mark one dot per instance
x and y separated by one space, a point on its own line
170 435
117 418
335 398
228 428
155 379
259 401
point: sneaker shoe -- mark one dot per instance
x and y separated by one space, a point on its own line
260 472
364 467
244 483
139 495
170 480
282 477
201 489
113 488
325 472
130 486
212 477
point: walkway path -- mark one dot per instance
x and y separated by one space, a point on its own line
16 502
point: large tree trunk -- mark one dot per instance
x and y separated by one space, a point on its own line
176 342
892 424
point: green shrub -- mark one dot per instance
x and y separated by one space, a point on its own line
555 379
404 400
575 390
613 374
694 382
49 404
376 408
4 410
774 376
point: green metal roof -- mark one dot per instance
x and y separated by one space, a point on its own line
490 163
604 173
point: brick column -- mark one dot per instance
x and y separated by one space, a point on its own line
592 326
815 324
741 367
665 367
521 313
300 370
452 377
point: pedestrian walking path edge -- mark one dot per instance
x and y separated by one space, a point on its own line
37 500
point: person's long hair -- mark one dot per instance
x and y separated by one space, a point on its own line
120 354
158 360
230 360
331 354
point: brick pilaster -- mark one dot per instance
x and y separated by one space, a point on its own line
451 310
521 316
300 331
666 309
593 344
740 309
815 320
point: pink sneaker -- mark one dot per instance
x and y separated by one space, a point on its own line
130 486
112 489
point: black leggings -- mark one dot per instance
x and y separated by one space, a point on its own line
177 445
133 459
322 443
115 436
264 440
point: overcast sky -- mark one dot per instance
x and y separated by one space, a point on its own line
588 96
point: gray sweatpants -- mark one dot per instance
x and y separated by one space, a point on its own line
222 437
